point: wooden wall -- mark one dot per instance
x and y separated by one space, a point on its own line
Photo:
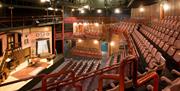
88 44
153 11
116 39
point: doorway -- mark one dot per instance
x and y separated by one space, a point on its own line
104 46
59 46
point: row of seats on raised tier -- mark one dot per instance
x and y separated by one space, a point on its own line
170 22
151 55
79 67
123 26
89 34
168 40
87 52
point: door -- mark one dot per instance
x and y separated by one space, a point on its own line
59 46
104 46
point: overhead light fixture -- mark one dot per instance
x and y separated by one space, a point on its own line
50 8
96 24
82 11
99 11
79 40
166 6
43 1
56 9
86 6
37 21
95 41
72 10
117 11
141 9
1 5
112 43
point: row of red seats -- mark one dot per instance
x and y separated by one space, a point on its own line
86 52
79 67
168 40
88 34
122 26
152 56
169 23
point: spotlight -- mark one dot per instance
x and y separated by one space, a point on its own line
166 6
141 9
37 21
79 40
112 43
1 5
95 41
96 24
56 9
72 10
43 1
117 11
99 11
82 11
50 8
86 6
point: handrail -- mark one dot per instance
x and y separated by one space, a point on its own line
79 78
44 80
136 82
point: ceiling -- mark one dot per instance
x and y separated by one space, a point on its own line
27 12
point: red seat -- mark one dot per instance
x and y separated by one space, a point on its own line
167 31
171 32
171 50
166 38
175 34
177 56
171 41
153 52
148 58
158 56
165 47
161 44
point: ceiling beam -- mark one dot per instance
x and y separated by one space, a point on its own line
130 3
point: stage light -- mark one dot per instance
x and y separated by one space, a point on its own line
166 6
99 11
95 41
112 43
117 11
43 1
56 9
141 9
82 11
79 40
1 5
96 24
50 8
72 10
86 6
